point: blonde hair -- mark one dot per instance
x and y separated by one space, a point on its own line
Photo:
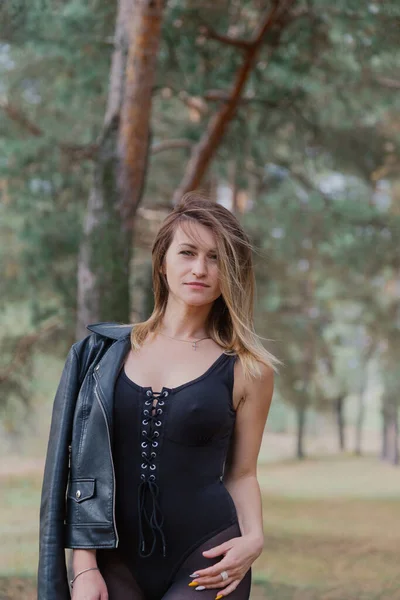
230 321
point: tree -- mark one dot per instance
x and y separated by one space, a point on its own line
314 107
106 248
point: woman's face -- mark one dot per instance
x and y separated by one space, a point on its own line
188 261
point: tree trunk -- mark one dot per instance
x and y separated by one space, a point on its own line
360 421
134 132
120 170
148 294
339 404
301 421
370 351
392 436
384 440
361 409
390 400
390 432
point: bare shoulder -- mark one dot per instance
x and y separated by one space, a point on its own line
250 421
264 382
256 388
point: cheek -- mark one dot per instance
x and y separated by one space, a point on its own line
215 277
215 289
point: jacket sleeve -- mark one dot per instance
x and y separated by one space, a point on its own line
52 581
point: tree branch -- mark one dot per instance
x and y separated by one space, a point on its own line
170 145
24 346
211 34
240 43
74 151
18 116
223 96
195 103
204 151
388 82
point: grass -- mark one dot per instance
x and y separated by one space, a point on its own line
19 525
347 548
332 531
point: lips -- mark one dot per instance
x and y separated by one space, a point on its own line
196 284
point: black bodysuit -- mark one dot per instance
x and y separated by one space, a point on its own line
171 504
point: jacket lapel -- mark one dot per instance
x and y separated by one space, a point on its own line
107 371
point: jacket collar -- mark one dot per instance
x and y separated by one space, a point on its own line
111 329
107 370
109 366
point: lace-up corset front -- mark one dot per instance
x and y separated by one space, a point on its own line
169 453
151 422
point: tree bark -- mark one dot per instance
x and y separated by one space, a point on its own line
119 173
134 133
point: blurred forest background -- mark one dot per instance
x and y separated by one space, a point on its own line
287 113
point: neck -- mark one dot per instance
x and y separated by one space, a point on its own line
187 322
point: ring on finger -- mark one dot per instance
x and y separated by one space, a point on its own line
224 575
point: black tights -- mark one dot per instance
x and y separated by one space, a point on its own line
122 585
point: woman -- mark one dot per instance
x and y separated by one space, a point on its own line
158 494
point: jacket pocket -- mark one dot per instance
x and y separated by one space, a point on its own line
81 501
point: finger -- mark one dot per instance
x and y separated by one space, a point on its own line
230 588
224 564
216 580
217 550
217 584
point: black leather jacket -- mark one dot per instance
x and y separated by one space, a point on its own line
78 494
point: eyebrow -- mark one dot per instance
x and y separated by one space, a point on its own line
195 247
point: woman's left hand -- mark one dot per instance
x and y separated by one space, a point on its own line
239 554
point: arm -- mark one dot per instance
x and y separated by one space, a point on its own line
240 479
240 475
52 573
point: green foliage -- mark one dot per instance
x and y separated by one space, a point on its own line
55 62
314 137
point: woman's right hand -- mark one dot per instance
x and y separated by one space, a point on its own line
89 586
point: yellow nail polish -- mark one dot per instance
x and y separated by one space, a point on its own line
219 597
193 583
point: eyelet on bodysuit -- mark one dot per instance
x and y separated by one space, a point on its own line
151 422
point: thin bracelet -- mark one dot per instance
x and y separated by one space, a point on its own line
71 583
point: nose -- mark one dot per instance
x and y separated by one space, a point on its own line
199 267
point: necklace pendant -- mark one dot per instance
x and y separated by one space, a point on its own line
194 345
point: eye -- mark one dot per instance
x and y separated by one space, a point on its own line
190 253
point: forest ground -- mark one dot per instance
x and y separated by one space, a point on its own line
331 523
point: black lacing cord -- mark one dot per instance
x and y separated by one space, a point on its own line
156 519
155 522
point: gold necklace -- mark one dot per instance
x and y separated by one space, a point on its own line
194 344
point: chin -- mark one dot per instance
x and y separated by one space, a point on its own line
199 301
